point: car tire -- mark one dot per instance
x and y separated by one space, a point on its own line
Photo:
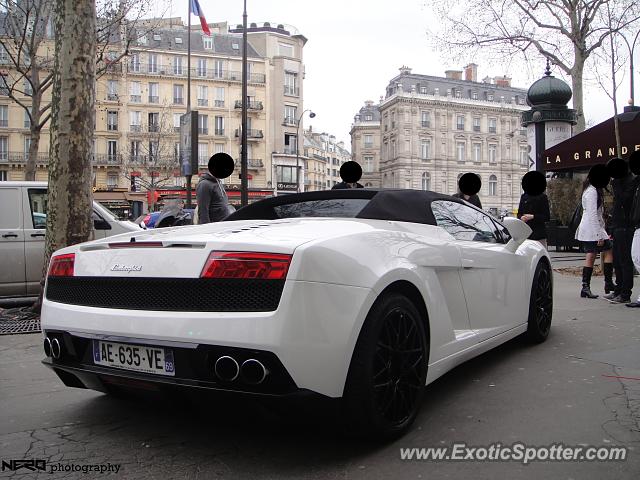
540 304
388 370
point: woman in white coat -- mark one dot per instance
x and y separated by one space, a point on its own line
591 232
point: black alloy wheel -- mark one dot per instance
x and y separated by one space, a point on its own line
540 304
388 369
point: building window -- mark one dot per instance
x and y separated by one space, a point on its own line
112 151
153 93
493 186
178 97
290 143
219 125
458 93
290 115
176 122
368 141
28 90
219 148
4 116
285 50
368 163
27 119
4 148
134 65
368 117
218 68
474 95
425 119
425 149
134 91
207 42
477 152
154 121
153 63
460 154
492 125
177 66
423 90
203 124
291 83
135 120
112 120
4 175
426 181
460 122
136 150
112 180
476 124
524 156
219 102
490 97
203 154
112 90
203 95
493 148
201 70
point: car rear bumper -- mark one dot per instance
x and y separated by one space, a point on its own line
309 339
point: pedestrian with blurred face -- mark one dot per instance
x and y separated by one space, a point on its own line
534 206
634 167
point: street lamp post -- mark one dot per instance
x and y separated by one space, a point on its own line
299 122
631 47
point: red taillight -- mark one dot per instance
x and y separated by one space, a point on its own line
62 265
265 266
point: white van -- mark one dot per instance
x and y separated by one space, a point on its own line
23 217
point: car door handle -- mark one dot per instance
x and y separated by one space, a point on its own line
9 235
37 235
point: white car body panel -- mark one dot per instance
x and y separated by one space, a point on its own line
338 270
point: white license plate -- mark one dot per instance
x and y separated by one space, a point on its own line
139 358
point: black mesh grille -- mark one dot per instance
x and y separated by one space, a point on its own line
168 294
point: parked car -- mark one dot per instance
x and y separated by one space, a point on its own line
166 219
360 295
23 221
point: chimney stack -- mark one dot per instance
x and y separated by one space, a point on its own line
503 81
471 72
453 74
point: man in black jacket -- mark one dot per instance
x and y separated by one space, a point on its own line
534 206
213 203
623 185
634 166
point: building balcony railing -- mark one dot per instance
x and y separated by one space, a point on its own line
135 128
203 102
476 128
492 129
112 127
218 103
219 132
289 90
368 145
203 131
178 100
251 133
112 97
289 150
250 105
197 72
22 157
154 128
425 124
154 99
4 122
135 98
290 122
106 159
251 163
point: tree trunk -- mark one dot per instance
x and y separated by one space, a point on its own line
73 113
35 128
576 84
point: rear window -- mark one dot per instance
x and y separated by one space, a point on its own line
334 207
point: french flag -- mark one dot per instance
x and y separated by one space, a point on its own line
197 11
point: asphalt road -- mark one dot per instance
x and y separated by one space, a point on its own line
567 390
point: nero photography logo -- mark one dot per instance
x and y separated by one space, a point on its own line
30 465
126 268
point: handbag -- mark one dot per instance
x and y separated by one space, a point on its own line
574 223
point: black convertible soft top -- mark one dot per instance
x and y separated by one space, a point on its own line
399 205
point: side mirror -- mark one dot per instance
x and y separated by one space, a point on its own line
518 230
101 224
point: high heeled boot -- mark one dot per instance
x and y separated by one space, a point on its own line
586 283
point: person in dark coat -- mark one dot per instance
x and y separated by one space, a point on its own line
350 173
622 231
534 206
469 185
213 203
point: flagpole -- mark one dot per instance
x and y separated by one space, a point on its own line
244 185
189 199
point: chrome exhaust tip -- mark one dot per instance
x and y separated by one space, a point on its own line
56 348
253 371
47 346
227 368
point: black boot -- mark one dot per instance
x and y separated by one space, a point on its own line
586 283
609 286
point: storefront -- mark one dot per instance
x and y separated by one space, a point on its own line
233 192
124 204
595 145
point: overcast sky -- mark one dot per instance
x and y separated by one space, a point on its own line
355 47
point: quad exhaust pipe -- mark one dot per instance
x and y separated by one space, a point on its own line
252 371
52 347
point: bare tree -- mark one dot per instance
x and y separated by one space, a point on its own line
567 32
26 49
